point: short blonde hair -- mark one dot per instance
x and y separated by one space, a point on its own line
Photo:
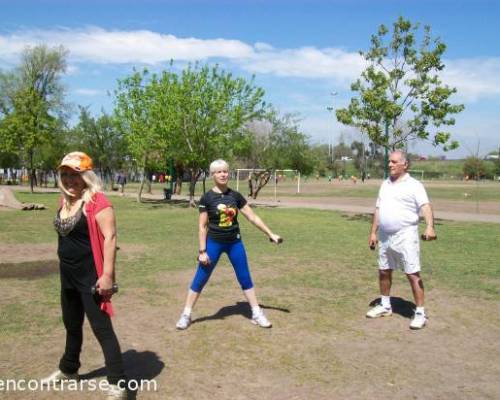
92 181
215 165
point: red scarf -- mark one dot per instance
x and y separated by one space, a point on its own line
98 203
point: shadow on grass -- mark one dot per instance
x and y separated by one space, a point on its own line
358 217
138 366
400 306
240 308
368 218
156 203
29 270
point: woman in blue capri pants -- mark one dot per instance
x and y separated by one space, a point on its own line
219 233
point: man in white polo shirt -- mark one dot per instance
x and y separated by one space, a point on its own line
396 217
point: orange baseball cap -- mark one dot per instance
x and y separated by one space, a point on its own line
78 161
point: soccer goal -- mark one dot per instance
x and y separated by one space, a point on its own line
417 173
286 177
242 175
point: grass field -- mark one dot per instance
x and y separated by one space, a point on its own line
315 288
444 190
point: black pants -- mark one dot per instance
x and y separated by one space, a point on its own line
74 306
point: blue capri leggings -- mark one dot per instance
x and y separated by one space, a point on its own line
238 257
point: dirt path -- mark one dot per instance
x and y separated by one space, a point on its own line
451 210
484 211
348 358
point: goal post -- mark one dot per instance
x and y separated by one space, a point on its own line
282 172
244 173
417 172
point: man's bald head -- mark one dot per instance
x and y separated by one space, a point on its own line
398 164
403 157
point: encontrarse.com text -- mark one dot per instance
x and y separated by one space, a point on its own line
34 385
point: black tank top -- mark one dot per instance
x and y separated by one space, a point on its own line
76 260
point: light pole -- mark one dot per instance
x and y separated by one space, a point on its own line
330 139
330 142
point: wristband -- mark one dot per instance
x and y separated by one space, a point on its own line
202 251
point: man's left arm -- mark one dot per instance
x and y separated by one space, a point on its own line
428 214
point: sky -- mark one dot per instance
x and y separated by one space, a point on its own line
305 54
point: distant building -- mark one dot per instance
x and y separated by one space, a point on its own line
492 157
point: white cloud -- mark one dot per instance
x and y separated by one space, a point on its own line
263 46
98 45
89 92
475 79
72 69
307 62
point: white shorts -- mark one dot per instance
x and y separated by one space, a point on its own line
400 250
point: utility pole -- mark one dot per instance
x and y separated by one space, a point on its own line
331 141
386 153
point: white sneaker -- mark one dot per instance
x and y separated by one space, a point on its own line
379 311
57 377
115 392
184 322
261 320
419 320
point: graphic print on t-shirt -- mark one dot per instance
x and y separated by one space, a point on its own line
226 215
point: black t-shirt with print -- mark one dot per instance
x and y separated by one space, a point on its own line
222 209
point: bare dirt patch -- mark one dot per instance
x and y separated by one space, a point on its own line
317 355
28 252
31 252
28 270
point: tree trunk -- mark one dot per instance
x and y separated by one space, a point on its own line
54 172
261 180
111 178
102 174
141 187
250 186
31 170
195 174
149 186
179 172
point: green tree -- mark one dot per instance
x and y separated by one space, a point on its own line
360 152
474 168
322 160
288 147
213 108
32 105
275 142
496 168
401 90
139 119
191 118
100 138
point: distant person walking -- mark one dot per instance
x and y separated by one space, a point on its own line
121 180
396 218
219 232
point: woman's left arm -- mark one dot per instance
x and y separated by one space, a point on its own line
107 224
255 220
